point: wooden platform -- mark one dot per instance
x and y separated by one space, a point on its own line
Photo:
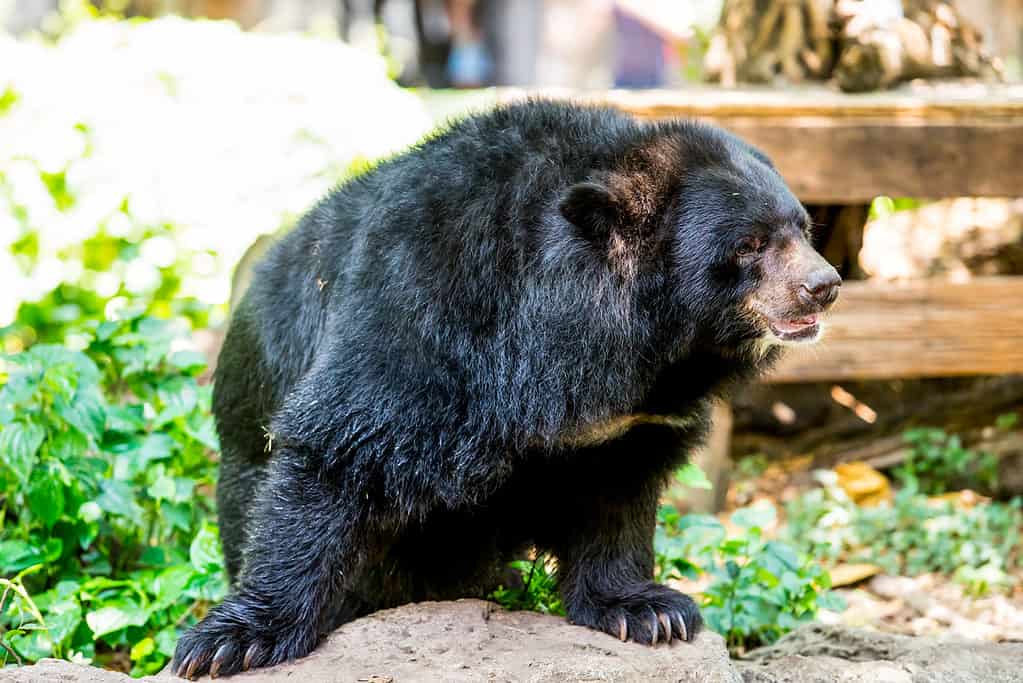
928 141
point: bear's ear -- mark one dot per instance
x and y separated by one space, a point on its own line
591 207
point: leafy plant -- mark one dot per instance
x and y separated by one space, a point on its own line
539 589
912 535
938 461
760 588
105 478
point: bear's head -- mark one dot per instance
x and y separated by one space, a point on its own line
696 216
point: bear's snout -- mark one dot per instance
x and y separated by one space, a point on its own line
820 288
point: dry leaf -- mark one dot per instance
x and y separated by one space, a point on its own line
848 574
863 484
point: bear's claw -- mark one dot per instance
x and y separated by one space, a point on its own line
227 641
646 614
250 656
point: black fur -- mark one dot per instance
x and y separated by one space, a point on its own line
407 394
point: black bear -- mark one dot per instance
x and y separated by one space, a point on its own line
506 337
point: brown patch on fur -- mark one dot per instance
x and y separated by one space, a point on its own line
612 428
620 258
643 186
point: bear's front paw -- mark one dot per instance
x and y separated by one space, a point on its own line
235 637
645 613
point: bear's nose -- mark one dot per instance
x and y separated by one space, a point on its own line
821 287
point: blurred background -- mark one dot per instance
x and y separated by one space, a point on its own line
150 150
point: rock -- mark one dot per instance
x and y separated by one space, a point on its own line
828 654
471 640
462 642
59 670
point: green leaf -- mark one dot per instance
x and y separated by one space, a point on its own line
66 362
163 488
184 489
791 582
106 329
12 553
33 645
114 616
178 514
192 362
46 498
692 476
205 550
90 511
784 554
56 184
155 446
1007 421
170 584
143 648
760 515
118 498
62 619
202 428
85 412
8 99
166 641
19 447
733 569
832 601
18 555
67 445
126 419
179 397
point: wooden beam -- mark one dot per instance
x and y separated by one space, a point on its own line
841 162
941 140
715 459
921 328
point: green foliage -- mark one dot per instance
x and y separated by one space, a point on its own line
760 588
1006 421
8 98
979 545
105 479
938 461
884 206
539 589
692 476
123 263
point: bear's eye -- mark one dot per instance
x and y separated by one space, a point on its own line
748 246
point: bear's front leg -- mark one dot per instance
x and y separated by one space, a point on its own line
302 549
606 575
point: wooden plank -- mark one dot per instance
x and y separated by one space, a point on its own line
829 162
921 328
931 102
943 140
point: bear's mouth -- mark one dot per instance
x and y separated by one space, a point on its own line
805 329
